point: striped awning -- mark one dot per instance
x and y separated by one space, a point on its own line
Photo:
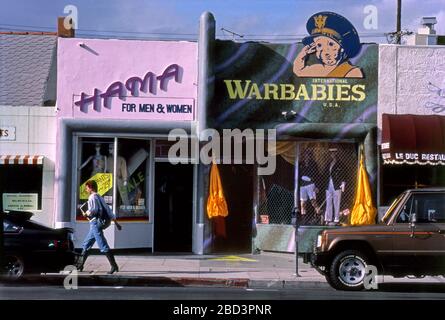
21 159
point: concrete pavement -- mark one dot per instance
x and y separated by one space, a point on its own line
264 270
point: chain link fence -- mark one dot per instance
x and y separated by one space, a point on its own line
332 170
327 176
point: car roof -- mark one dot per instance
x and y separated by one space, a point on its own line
18 215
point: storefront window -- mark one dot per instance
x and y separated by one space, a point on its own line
131 178
327 179
327 184
93 154
126 170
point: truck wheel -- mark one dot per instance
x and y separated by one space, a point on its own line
347 270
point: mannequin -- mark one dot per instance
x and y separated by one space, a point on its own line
99 161
121 174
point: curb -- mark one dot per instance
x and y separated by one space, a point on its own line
137 281
133 281
288 284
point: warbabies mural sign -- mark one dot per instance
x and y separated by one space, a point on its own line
328 78
334 41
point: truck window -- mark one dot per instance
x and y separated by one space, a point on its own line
390 211
430 208
405 213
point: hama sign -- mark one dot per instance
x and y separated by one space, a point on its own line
123 98
330 77
127 79
132 86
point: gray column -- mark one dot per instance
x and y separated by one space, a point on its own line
206 76
206 85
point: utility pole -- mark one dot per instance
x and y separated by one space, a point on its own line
399 22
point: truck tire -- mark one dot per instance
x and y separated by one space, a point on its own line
347 270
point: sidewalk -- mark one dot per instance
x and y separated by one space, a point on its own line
265 270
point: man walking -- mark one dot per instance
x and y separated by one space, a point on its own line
95 204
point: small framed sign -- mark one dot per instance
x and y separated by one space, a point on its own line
20 201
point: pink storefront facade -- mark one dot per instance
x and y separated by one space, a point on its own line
117 102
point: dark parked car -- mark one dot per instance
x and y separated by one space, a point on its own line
410 241
32 247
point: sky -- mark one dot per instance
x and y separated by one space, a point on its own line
267 20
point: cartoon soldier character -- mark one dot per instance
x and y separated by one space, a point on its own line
334 41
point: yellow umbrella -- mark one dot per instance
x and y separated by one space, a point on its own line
216 202
364 211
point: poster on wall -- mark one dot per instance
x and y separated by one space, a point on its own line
104 184
329 77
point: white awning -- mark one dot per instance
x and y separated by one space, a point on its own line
21 159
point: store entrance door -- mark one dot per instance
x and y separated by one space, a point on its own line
237 182
173 215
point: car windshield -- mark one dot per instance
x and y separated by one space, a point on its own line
389 212
10 227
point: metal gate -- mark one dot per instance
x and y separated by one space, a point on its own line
327 181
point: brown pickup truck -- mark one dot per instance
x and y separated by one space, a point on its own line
409 241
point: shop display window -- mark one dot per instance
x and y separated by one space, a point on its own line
316 161
131 177
121 169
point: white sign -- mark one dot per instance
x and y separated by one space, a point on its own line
20 201
7 133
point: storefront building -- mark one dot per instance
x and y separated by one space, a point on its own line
27 123
411 119
316 113
117 101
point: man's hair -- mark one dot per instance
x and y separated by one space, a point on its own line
92 185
